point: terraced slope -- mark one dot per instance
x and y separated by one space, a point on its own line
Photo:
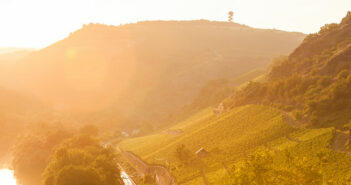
237 133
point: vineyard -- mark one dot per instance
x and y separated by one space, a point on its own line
233 136
229 137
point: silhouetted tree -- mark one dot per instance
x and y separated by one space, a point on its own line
230 16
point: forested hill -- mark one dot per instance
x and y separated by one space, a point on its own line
313 83
146 70
330 35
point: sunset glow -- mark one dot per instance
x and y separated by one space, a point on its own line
167 92
7 178
39 23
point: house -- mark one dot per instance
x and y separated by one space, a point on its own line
219 109
125 134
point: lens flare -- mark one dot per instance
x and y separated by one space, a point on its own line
6 177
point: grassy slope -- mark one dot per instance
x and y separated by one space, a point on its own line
309 145
253 125
231 132
315 143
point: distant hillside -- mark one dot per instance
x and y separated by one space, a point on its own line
16 112
14 55
313 83
213 92
6 50
143 71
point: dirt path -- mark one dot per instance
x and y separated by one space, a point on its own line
162 176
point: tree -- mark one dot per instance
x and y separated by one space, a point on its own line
33 149
82 160
230 16
75 175
183 154
260 169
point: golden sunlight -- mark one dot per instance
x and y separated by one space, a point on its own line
71 53
6 177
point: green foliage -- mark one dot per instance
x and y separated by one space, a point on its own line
308 162
346 19
82 160
328 28
32 151
74 175
183 154
259 169
236 133
314 81
318 97
314 152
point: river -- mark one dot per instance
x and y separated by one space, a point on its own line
7 178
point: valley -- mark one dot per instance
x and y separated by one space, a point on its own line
145 93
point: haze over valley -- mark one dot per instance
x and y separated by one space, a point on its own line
184 101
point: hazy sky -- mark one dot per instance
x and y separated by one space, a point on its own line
39 23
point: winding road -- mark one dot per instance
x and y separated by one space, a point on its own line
162 175
126 179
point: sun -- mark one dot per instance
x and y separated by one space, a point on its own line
6 177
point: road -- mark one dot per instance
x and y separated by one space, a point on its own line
163 177
125 177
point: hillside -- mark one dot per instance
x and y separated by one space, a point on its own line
296 135
237 136
229 137
143 72
213 92
14 55
8 50
313 83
